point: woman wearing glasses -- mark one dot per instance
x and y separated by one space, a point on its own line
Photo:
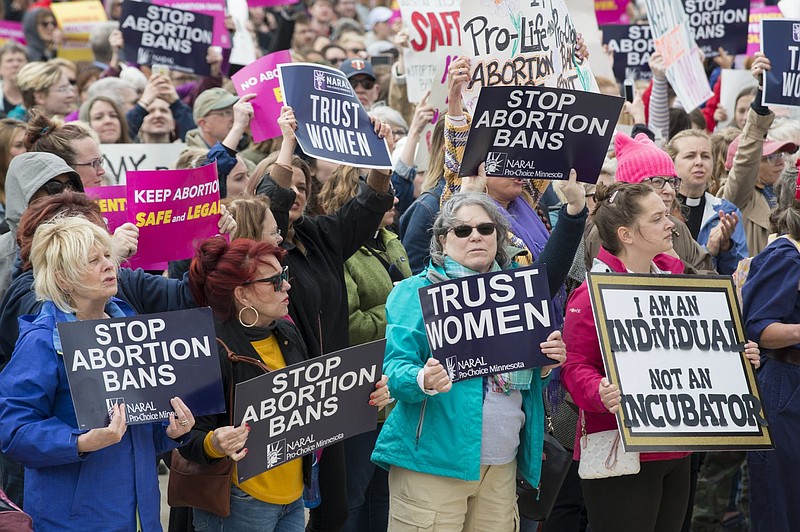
73 142
452 450
45 87
246 285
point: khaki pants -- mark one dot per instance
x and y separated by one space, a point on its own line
419 501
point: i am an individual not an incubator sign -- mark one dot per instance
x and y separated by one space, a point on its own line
674 346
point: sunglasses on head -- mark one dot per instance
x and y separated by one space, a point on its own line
364 82
54 186
463 231
276 280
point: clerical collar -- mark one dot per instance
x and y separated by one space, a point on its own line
693 202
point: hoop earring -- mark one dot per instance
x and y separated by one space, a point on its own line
254 321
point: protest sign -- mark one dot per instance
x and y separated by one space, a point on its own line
261 78
685 71
303 407
611 11
780 41
757 14
172 209
674 346
632 46
438 101
334 127
490 323
11 31
212 8
521 44
113 201
585 21
270 3
76 19
434 41
733 82
167 36
540 133
716 23
142 361
118 159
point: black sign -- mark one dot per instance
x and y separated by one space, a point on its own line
632 46
490 323
540 133
303 407
142 361
780 41
716 23
160 35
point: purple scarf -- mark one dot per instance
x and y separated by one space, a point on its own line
526 225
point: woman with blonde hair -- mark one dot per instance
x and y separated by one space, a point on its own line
12 133
253 218
45 87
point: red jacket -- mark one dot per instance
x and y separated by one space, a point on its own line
582 371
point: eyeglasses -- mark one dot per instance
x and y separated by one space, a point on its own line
63 89
463 231
48 24
54 186
364 82
221 112
276 280
776 158
659 183
336 61
97 164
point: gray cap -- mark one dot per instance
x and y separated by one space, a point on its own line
212 100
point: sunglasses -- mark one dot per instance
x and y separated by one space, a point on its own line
659 182
276 280
48 24
54 186
463 231
366 83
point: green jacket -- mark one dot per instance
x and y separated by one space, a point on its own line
441 434
368 285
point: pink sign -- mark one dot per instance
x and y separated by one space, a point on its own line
213 8
270 3
611 11
261 78
112 201
173 209
11 31
757 14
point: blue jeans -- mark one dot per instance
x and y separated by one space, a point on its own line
249 514
367 485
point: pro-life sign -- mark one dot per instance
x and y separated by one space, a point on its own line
142 361
332 124
780 41
490 323
674 346
540 133
303 407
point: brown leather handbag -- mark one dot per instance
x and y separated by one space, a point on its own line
204 486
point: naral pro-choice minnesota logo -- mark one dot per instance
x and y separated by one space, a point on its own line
275 452
325 82
452 364
496 163
796 32
111 402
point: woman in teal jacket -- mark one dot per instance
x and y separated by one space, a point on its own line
452 450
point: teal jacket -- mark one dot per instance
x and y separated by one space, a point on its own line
441 434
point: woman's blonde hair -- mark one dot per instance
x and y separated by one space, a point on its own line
436 162
59 255
35 77
339 189
249 212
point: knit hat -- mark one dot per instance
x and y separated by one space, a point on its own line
639 159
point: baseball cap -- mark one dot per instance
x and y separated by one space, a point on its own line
212 100
770 147
354 67
378 14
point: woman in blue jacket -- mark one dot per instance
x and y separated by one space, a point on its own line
452 450
104 478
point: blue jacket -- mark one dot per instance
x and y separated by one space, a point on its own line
726 262
100 490
441 434
415 227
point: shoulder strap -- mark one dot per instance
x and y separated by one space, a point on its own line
234 358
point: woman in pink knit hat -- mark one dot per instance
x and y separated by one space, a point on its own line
639 160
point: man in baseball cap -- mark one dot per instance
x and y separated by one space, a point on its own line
363 80
213 114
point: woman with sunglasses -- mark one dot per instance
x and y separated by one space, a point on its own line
452 450
41 33
639 160
246 285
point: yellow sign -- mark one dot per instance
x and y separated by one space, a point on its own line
76 20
